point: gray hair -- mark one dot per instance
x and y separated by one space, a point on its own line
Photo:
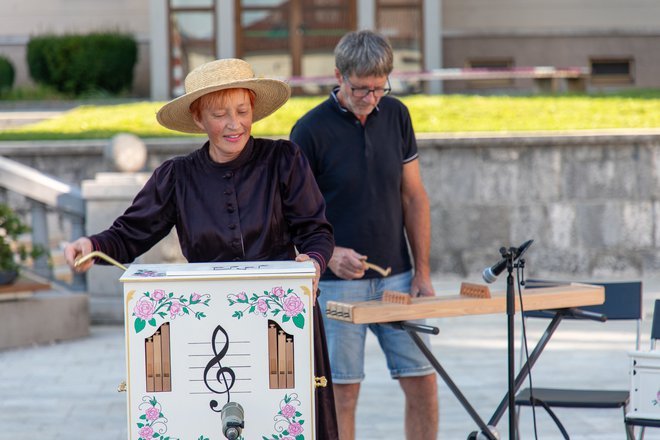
363 53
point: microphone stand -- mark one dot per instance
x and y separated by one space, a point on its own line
510 314
510 255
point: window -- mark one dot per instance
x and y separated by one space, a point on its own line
401 21
611 71
491 65
192 38
287 38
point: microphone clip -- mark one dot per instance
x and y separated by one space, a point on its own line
508 261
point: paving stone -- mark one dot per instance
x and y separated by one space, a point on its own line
68 390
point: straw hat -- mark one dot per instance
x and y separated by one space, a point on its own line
217 75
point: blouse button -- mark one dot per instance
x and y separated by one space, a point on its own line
228 192
230 207
228 175
237 258
232 226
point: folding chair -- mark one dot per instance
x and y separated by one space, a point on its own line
623 301
632 421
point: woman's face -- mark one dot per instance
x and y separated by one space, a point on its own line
226 117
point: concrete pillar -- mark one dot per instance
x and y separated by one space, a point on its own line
226 40
433 41
366 14
158 57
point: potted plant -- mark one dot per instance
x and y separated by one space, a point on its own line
12 252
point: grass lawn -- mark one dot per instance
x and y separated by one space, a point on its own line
431 114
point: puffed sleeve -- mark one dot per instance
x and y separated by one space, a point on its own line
304 208
149 219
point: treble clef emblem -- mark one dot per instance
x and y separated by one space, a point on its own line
224 376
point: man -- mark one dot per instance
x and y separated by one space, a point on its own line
361 147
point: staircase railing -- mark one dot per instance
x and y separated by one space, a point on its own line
45 194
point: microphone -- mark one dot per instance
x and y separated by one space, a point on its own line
232 420
490 274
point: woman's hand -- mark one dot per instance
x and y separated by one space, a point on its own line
315 281
347 264
77 249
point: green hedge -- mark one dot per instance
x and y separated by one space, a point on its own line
6 75
78 64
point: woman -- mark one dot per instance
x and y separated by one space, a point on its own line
236 198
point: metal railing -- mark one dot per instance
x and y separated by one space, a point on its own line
45 194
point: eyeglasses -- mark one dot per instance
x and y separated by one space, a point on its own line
363 92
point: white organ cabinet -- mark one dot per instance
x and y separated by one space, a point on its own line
201 335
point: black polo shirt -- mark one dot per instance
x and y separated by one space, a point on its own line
359 171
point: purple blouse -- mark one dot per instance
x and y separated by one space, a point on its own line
256 207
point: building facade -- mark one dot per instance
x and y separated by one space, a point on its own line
291 38
617 42
22 19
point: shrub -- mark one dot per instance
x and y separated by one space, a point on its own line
37 49
12 252
6 74
77 64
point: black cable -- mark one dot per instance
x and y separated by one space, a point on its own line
524 342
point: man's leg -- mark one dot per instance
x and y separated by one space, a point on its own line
408 364
346 351
346 397
421 406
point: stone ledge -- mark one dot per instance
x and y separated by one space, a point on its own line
43 318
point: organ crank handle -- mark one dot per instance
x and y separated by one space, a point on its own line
100 255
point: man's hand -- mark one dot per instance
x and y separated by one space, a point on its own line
77 249
347 264
421 286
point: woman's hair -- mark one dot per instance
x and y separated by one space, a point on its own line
363 53
217 98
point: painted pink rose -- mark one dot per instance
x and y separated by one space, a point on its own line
277 291
196 296
152 413
288 411
287 438
295 429
293 306
242 296
175 308
158 294
144 309
262 306
146 432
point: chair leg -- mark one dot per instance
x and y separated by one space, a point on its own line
630 429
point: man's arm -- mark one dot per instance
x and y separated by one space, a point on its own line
417 222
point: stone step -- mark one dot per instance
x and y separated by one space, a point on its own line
29 317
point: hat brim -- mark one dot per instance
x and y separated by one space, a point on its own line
270 94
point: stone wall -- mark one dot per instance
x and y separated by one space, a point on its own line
589 201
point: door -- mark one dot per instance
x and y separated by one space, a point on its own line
192 36
402 21
292 38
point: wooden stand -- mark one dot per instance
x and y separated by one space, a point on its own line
442 306
22 288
